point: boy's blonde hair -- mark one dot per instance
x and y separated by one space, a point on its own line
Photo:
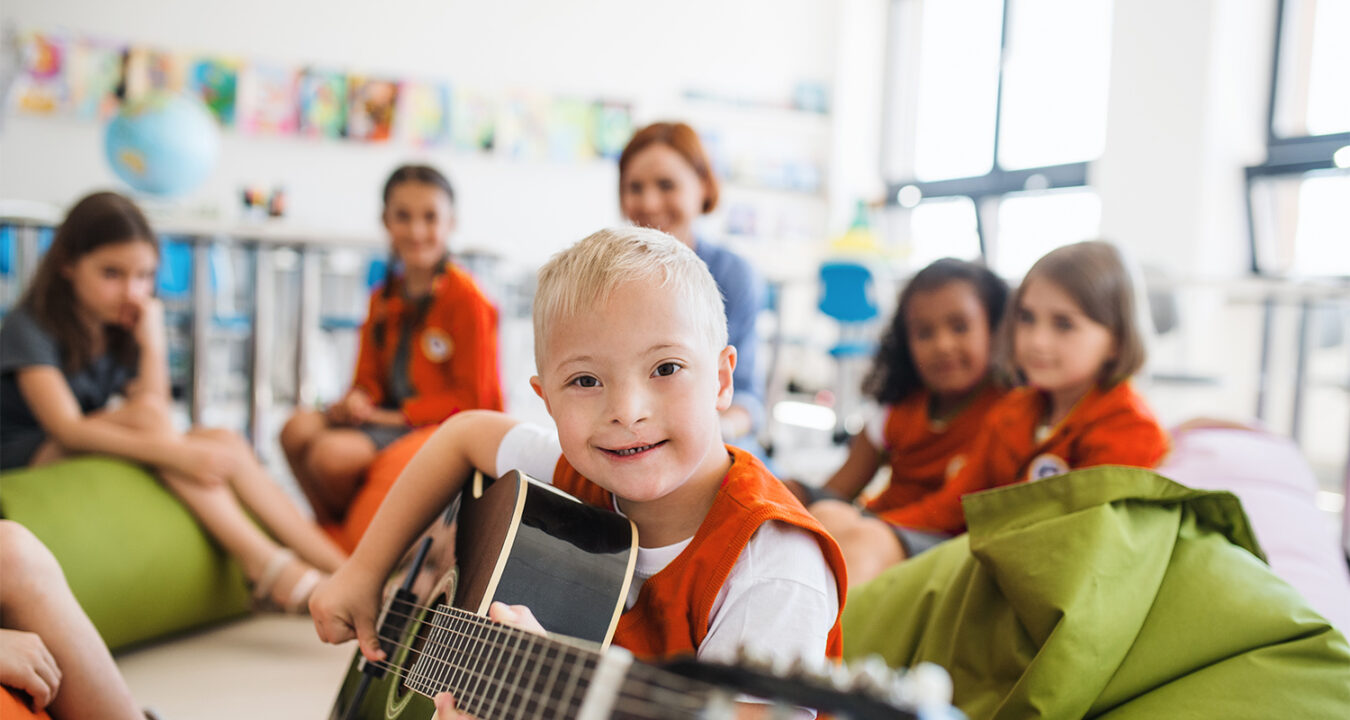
577 278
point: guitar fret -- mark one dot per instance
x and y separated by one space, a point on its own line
551 690
472 692
514 698
459 650
569 695
495 657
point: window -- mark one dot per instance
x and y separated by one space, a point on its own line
994 109
1296 197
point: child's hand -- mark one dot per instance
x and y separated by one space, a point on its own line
354 408
27 664
206 463
344 607
145 319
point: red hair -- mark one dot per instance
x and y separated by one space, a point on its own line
682 139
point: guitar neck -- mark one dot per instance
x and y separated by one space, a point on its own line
495 671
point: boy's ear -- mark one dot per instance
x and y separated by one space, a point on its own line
726 365
538 387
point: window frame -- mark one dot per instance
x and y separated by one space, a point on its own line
1286 156
979 188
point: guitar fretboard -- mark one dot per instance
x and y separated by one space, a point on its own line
497 671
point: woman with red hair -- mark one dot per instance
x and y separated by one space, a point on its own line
666 182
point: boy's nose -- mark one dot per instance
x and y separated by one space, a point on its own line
627 406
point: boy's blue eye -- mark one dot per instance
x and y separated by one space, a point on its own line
666 369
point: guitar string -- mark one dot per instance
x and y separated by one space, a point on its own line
517 634
625 700
653 687
632 702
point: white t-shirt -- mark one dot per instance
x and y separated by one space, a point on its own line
780 596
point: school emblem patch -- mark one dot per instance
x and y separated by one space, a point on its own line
437 345
1046 465
954 466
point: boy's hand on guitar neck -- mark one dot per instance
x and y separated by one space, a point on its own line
517 616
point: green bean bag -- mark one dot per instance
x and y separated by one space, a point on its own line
1105 593
136 559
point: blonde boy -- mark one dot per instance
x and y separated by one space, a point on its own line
633 366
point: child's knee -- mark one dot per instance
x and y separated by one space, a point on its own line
300 430
147 413
24 558
334 457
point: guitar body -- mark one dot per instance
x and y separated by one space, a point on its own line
517 541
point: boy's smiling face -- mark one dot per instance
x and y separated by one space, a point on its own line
635 389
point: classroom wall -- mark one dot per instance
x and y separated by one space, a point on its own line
642 51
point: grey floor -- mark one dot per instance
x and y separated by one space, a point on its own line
266 667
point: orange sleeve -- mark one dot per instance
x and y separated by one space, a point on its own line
941 511
368 374
473 378
1128 439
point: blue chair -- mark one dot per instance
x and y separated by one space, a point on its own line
848 295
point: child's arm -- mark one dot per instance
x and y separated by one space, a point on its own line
473 381
941 511
1126 439
152 372
47 394
861 466
345 606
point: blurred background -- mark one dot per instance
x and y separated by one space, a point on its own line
1209 138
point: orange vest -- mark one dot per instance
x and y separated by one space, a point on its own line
670 617
925 454
452 359
1107 427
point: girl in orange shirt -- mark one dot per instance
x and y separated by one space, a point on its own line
932 377
428 350
1073 346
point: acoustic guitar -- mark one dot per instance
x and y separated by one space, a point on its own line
520 541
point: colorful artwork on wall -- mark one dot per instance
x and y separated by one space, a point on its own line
267 99
41 86
89 78
370 115
216 83
322 104
424 118
95 76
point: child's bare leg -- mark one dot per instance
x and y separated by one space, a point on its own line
219 511
35 597
868 544
296 437
271 505
335 466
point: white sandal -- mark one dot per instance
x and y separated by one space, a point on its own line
298 601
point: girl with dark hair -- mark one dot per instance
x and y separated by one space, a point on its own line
89 328
931 378
428 350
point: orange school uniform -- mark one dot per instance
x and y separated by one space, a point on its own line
1107 427
452 352
670 617
925 454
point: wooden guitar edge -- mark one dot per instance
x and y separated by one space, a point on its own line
623 591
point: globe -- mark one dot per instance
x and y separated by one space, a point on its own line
162 144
